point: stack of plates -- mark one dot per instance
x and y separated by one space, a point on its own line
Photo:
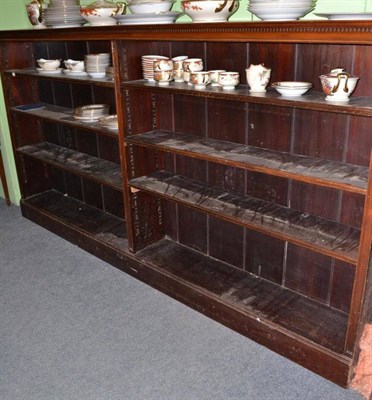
63 14
280 10
148 65
96 64
91 112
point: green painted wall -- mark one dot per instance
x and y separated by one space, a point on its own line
13 16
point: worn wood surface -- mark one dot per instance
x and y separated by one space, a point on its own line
315 233
251 295
82 164
94 222
65 116
307 169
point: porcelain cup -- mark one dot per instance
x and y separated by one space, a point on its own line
200 79
258 77
214 74
178 75
178 62
163 65
228 80
163 77
192 64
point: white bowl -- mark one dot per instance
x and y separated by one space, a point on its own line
98 16
48 64
279 14
150 7
97 74
291 88
209 10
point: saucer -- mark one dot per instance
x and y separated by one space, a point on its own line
74 73
49 71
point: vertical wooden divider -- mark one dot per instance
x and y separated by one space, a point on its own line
361 268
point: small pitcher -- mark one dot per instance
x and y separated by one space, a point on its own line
35 13
258 77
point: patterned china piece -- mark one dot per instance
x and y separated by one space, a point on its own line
338 84
258 77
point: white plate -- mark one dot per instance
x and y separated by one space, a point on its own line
49 71
345 16
74 73
147 19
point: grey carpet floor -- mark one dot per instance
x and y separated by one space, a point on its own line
74 327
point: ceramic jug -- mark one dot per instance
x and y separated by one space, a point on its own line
258 77
35 13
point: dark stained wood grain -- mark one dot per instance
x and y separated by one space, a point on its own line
251 295
320 235
307 169
102 226
264 256
91 167
279 57
226 242
317 59
308 273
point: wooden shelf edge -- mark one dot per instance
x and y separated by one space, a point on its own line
361 106
160 184
79 163
85 80
66 120
309 31
163 143
322 361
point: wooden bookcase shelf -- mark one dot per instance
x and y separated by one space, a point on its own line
310 101
252 296
63 115
96 169
315 233
99 225
31 72
328 173
252 209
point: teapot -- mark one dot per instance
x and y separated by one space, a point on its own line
338 84
258 77
35 13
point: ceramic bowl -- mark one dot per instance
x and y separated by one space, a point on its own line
209 10
48 64
150 7
288 13
73 65
163 65
163 77
178 62
200 79
98 16
291 89
228 80
339 87
214 75
192 65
